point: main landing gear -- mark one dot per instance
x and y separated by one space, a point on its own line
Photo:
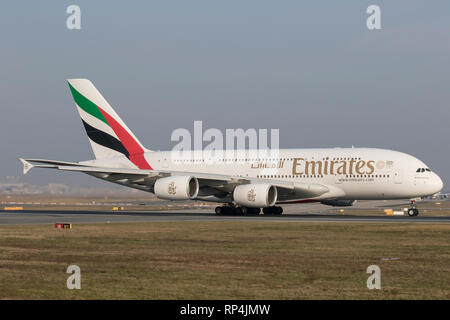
242 211
274 210
413 211
236 211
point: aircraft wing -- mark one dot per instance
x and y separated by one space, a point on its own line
213 187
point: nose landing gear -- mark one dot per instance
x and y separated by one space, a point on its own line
413 211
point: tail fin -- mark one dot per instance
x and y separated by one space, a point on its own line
108 134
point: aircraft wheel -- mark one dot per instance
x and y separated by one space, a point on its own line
277 210
412 212
224 210
239 211
273 210
228 210
245 210
254 211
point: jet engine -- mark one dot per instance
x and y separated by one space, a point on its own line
176 188
339 203
255 195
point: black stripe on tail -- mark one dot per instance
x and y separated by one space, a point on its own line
105 139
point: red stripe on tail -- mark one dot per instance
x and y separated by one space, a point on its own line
134 149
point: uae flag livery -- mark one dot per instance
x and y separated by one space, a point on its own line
108 134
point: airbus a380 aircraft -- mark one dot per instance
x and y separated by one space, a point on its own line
244 183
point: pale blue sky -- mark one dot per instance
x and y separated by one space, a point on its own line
310 68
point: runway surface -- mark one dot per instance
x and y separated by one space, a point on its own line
74 217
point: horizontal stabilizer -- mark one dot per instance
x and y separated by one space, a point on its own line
26 165
54 162
43 163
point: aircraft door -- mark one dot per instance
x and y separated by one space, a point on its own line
165 163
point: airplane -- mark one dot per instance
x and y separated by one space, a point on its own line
246 181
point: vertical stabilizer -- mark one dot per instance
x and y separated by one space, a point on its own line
108 134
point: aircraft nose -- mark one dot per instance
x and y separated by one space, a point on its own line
437 183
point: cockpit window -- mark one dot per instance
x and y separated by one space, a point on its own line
423 170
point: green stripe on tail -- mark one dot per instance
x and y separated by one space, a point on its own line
87 105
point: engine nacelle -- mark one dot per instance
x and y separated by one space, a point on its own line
339 203
177 188
255 195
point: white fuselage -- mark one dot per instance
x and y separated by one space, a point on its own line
349 173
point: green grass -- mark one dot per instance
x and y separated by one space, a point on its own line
226 260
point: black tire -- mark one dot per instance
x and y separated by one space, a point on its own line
228 210
251 211
412 212
218 211
275 210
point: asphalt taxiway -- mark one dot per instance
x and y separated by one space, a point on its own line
364 211
74 217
